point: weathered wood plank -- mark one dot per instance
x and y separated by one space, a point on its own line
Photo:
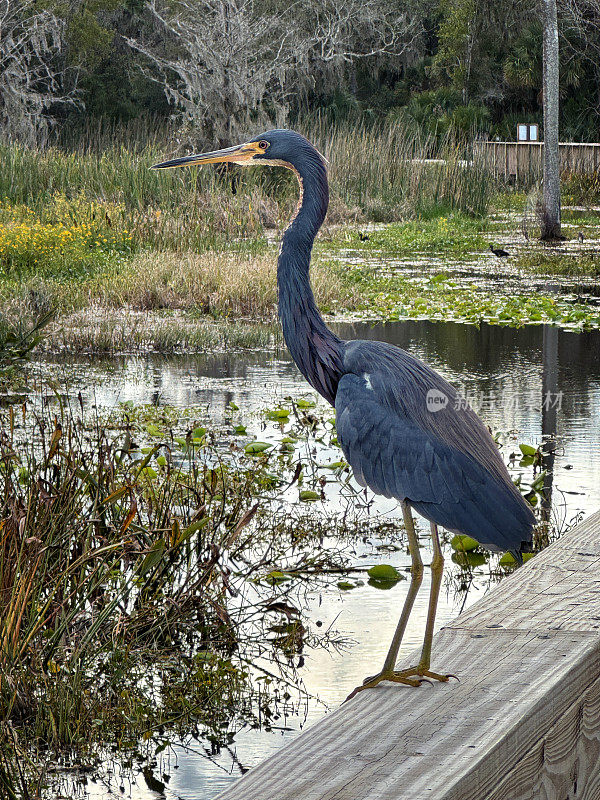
522 723
520 158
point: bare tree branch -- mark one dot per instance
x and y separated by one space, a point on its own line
230 65
30 81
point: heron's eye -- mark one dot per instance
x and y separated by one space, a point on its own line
263 145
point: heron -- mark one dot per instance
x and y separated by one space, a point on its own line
405 431
498 251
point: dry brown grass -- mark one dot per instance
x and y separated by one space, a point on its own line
217 284
123 330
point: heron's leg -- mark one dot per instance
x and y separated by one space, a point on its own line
416 577
437 571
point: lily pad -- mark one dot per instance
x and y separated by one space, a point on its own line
346 586
305 403
255 448
379 584
308 496
463 543
278 414
469 559
384 572
527 449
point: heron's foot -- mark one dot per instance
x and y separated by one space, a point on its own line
420 671
395 677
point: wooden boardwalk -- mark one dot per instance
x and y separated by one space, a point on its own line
525 159
523 722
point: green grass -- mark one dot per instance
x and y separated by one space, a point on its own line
540 262
458 235
97 230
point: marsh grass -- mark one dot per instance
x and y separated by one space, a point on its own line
569 264
134 590
117 309
457 234
214 284
393 172
382 171
94 226
101 330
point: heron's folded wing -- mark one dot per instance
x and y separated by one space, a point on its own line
394 457
389 454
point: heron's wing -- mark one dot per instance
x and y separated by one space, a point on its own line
395 456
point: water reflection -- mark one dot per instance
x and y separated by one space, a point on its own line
535 382
506 373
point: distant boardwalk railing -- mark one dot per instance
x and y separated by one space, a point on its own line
522 160
523 722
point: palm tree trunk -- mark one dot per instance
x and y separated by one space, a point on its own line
551 196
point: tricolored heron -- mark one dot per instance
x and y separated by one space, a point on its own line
404 430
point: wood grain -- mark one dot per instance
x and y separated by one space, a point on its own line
522 723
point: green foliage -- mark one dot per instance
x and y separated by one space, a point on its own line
464 543
475 64
561 263
455 34
455 234
116 580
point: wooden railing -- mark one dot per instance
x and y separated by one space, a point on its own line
522 160
522 723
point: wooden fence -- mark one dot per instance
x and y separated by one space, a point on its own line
522 723
524 160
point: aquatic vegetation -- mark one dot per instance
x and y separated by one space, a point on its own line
438 297
457 234
545 263
150 561
17 342
581 188
213 284
390 172
115 331
130 568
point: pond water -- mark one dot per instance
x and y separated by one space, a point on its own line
529 384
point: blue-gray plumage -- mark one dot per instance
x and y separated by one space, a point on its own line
404 430
444 462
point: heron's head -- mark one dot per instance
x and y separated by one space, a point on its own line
276 148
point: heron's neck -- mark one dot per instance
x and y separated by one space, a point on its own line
316 350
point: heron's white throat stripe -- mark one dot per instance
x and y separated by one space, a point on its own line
367 380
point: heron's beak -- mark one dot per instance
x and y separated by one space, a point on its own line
240 154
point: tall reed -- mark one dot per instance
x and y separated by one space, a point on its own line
393 171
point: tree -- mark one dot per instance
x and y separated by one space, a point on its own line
234 65
551 190
31 76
